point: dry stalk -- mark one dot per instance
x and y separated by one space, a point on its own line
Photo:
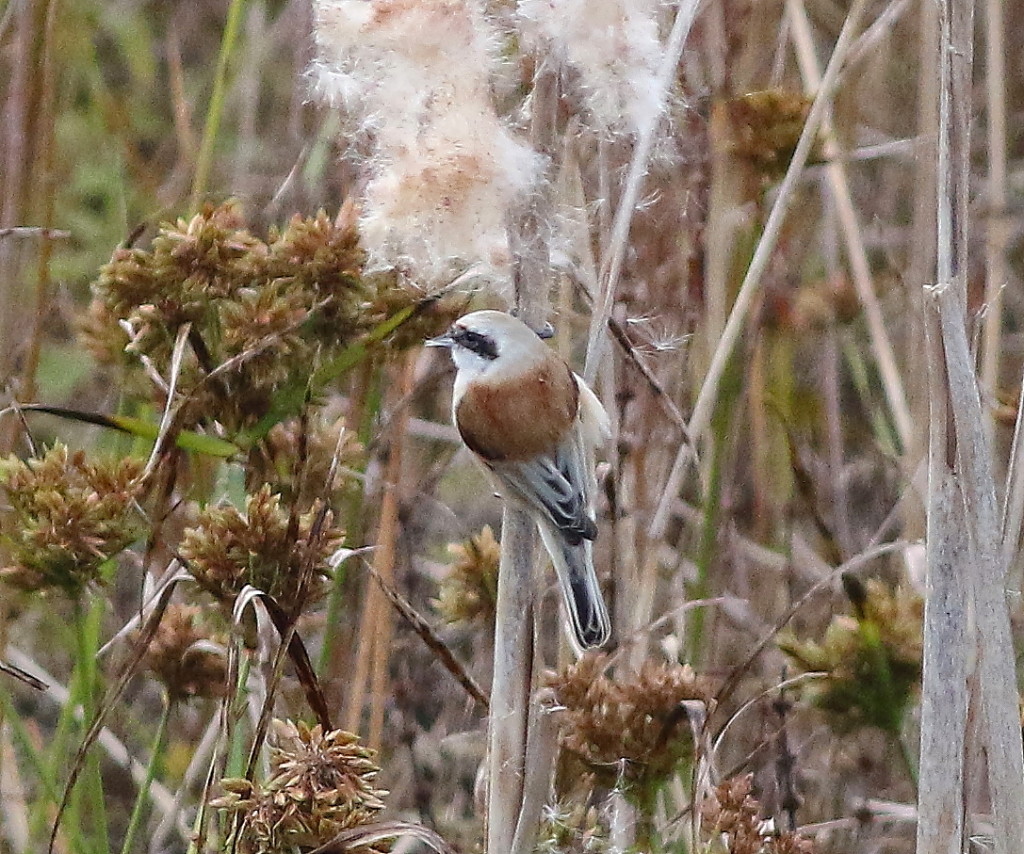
513 815
700 420
376 625
964 525
839 185
996 224
940 829
384 558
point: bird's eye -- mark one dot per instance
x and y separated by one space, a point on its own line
477 342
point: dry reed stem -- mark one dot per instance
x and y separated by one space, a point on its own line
963 460
44 156
514 648
541 750
611 264
706 399
512 814
996 270
941 802
856 253
985 572
384 557
376 625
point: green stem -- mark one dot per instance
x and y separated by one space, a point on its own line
371 380
647 840
88 637
155 759
216 108
908 760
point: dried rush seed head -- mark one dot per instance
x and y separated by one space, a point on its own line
320 784
633 731
69 515
227 550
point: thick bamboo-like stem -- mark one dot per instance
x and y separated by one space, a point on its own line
961 457
513 810
940 809
514 650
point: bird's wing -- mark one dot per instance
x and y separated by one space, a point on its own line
556 486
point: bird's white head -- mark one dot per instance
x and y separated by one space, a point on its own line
492 343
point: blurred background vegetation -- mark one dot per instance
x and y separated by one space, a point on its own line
163 182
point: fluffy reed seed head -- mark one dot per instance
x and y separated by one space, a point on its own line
444 169
613 49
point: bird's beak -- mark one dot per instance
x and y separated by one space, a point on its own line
445 340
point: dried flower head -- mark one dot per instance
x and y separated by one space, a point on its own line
185 656
872 661
263 313
69 515
730 815
631 731
469 592
764 127
320 784
227 549
572 828
274 461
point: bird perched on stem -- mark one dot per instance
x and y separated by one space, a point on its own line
534 424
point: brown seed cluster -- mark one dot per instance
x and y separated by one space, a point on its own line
731 815
185 656
572 828
872 661
263 313
634 730
226 550
320 784
469 592
69 515
765 127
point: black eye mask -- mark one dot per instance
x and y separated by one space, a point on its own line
482 345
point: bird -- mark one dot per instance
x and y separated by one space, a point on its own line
534 424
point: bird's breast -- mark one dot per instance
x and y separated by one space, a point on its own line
518 418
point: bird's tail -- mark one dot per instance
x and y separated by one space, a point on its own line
574 565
